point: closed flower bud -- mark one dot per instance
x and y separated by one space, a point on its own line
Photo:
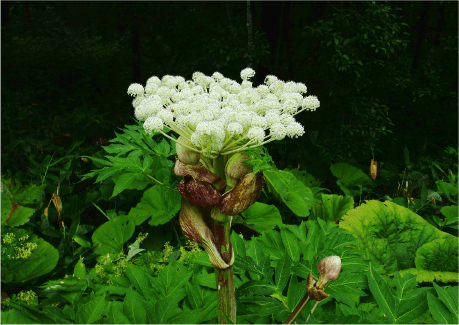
329 269
195 228
186 156
246 193
235 168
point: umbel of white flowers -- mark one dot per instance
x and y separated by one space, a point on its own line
218 115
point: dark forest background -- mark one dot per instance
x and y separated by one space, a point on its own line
386 73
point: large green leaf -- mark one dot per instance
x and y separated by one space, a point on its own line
114 312
444 308
110 237
260 217
293 192
438 255
42 260
332 207
19 204
157 202
390 234
132 307
91 311
350 179
383 294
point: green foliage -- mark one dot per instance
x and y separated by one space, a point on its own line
137 157
399 239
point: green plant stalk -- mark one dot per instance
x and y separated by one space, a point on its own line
221 230
225 278
298 309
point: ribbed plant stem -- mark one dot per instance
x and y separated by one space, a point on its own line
225 278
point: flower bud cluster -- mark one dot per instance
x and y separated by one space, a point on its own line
217 114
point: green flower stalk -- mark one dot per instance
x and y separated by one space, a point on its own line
217 119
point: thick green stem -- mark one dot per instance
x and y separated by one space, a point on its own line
225 278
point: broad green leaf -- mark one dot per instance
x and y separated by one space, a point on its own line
114 311
256 287
295 292
132 307
173 277
110 236
163 148
157 202
446 295
91 311
438 255
282 272
13 214
388 233
106 172
165 309
350 179
193 296
265 265
333 207
293 192
123 182
291 244
247 263
261 217
439 311
14 316
451 214
238 245
79 271
382 293
137 277
42 260
81 240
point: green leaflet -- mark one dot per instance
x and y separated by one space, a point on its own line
311 241
333 207
18 204
293 192
91 311
444 308
260 217
351 180
157 202
42 260
391 235
110 236
138 161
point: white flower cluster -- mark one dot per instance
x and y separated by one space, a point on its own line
219 115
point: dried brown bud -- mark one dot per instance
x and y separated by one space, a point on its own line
329 269
246 193
187 156
195 228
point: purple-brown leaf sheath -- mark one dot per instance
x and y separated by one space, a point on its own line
200 194
246 193
199 173
194 227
